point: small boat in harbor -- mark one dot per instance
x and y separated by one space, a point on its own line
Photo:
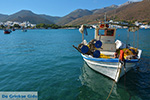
7 31
13 29
24 29
107 55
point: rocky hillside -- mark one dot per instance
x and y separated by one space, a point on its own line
82 13
3 17
136 11
74 15
25 15
132 11
105 9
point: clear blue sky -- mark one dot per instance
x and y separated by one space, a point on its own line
54 7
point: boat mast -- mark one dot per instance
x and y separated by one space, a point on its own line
127 39
96 32
105 19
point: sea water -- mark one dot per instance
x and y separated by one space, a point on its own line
45 61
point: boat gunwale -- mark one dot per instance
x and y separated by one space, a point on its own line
107 60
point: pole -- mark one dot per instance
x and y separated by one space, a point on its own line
82 36
127 39
134 39
138 39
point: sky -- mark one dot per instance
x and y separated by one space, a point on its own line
54 7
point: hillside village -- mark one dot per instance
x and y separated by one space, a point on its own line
12 24
27 24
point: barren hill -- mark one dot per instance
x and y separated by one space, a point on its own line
135 11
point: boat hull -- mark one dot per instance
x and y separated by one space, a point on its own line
7 32
111 68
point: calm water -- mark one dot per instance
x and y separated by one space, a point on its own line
45 61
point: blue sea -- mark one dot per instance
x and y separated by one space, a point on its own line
45 61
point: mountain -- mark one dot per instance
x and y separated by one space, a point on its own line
126 3
53 19
139 11
79 13
93 17
129 11
90 19
81 16
74 15
2 17
26 15
135 11
105 9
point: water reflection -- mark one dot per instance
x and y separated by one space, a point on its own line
93 79
97 87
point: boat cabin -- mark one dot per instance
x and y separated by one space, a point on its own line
107 39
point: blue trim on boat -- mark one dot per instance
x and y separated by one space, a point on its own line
109 60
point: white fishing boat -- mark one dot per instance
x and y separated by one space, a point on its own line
107 55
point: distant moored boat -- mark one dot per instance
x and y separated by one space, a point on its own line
7 31
13 29
24 30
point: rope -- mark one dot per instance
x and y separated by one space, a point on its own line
134 39
138 39
114 81
111 90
